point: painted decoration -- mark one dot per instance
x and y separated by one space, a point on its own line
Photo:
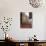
36 3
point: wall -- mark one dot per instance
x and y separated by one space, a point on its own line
12 8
